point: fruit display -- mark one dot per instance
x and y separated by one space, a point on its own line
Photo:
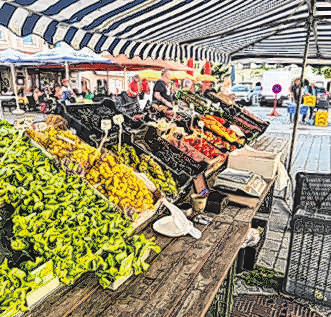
200 104
118 183
58 217
63 143
162 179
215 124
203 147
215 140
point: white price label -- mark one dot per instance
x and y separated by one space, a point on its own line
105 124
192 106
23 123
118 119
175 109
201 124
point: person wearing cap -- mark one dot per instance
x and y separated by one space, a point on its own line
67 93
134 88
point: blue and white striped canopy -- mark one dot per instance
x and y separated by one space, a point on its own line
178 29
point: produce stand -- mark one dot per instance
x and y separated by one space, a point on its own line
187 274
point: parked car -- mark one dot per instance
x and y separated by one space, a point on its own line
241 93
256 92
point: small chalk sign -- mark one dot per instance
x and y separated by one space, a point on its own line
106 124
118 119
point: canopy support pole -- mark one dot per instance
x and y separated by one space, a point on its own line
66 66
125 81
296 116
17 110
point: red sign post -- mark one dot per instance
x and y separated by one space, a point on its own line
276 90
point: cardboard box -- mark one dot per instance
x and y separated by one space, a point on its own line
264 164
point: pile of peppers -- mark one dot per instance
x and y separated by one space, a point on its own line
58 217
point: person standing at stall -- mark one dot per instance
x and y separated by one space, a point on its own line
295 94
162 97
134 88
310 91
67 93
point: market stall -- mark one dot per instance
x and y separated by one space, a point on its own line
88 184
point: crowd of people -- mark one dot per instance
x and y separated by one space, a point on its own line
308 89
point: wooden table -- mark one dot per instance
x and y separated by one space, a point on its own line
181 281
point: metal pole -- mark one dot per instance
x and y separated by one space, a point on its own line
17 110
296 116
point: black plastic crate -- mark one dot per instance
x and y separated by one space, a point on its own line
308 272
183 180
313 193
222 304
149 140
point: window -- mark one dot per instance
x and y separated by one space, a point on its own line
247 66
27 39
240 89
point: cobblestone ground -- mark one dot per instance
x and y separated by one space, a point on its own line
275 250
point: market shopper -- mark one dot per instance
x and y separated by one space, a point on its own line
295 94
67 93
310 91
162 97
134 88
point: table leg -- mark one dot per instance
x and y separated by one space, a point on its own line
266 205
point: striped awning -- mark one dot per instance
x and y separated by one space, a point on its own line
178 29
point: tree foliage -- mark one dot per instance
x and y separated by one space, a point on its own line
220 72
326 71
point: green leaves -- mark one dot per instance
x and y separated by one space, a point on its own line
59 217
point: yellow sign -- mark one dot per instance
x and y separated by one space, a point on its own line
309 101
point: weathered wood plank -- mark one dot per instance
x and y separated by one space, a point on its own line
58 303
167 275
200 294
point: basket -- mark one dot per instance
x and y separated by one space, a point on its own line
303 109
309 266
313 193
322 118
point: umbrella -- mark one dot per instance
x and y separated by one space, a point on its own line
11 57
205 78
150 74
190 64
181 76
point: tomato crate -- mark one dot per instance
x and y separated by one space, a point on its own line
149 140
308 265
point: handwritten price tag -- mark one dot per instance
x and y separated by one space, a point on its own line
105 124
118 119
23 123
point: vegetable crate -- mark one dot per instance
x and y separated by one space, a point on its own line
86 118
183 180
223 301
313 193
149 140
309 265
